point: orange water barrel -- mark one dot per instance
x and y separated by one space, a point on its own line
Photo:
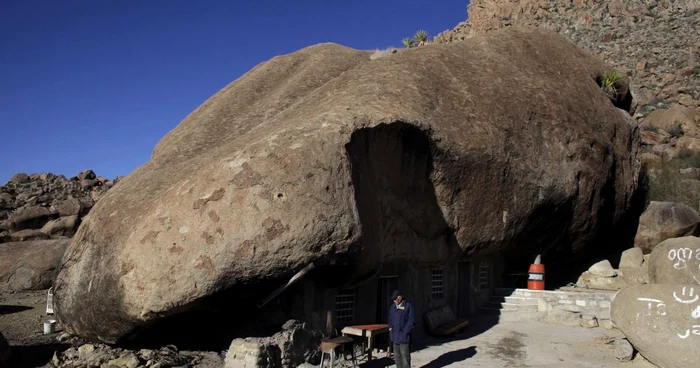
535 280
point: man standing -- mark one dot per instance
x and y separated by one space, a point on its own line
401 323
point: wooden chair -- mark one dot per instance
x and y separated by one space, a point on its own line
330 344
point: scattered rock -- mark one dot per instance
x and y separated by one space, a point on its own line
622 280
68 207
28 234
624 351
292 346
603 268
660 321
588 321
32 201
152 224
607 324
85 350
86 175
676 261
32 217
650 160
30 265
64 226
664 220
127 360
19 178
632 258
675 115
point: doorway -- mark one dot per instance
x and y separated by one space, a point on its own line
464 289
386 286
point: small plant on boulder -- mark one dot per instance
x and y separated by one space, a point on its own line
675 130
421 37
611 81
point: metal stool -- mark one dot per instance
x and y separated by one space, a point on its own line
328 346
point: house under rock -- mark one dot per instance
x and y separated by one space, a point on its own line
438 170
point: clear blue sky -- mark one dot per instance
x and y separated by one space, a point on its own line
96 83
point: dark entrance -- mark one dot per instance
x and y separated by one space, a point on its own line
464 289
386 286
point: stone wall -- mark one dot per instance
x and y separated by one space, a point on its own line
296 344
251 353
573 303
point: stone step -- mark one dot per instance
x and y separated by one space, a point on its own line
513 300
509 307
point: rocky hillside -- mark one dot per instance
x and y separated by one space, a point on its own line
654 43
41 206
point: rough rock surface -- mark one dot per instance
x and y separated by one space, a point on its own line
306 159
100 355
293 346
632 258
30 265
620 281
48 203
676 261
661 322
655 43
664 220
603 268
624 351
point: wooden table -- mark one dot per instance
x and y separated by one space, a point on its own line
368 331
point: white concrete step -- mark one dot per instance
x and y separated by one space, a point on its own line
514 300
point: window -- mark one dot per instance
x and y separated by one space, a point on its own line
484 276
437 290
344 306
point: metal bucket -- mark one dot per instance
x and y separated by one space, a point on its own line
49 326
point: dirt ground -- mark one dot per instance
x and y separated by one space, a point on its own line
485 343
22 317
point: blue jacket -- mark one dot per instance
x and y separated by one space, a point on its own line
401 322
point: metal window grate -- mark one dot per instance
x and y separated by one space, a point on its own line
345 306
437 289
484 276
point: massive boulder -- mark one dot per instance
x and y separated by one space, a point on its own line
664 220
324 156
661 321
30 265
32 217
676 261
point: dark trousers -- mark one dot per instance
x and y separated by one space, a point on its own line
402 355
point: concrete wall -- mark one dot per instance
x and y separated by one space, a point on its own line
594 303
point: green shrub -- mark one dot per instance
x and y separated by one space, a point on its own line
408 42
421 37
675 130
648 128
611 81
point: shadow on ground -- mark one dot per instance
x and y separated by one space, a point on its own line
452 357
35 355
478 325
9 309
